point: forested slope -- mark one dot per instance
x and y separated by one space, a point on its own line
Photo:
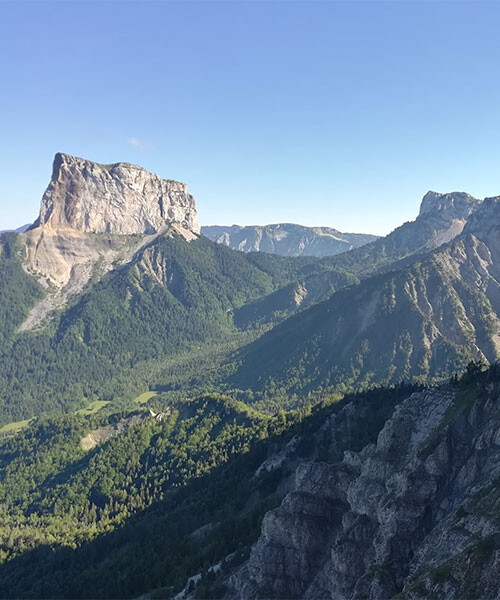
162 496
173 295
422 322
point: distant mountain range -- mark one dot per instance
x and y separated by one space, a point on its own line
21 229
423 321
286 239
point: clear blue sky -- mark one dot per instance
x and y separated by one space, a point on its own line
321 113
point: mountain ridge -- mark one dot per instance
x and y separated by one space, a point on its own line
286 239
424 320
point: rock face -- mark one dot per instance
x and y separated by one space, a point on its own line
124 204
119 198
457 205
287 239
416 513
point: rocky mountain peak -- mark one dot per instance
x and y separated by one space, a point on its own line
120 198
485 219
457 205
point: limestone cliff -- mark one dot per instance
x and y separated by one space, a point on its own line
415 514
119 198
94 218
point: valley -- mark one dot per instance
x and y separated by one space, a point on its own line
242 424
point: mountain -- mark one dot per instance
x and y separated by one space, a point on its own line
414 515
286 239
148 369
441 218
420 321
384 492
113 281
81 308
21 229
120 198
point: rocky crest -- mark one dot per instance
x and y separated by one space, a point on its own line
415 514
287 239
127 207
457 204
120 198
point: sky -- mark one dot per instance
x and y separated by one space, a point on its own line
340 114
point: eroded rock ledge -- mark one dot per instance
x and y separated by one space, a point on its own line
415 514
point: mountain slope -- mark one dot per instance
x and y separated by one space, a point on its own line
173 294
166 497
389 491
286 239
415 514
441 218
424 321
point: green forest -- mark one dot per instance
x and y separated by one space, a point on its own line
140 497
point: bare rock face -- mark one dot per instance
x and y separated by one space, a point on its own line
94 218
457 204
120 199
415 514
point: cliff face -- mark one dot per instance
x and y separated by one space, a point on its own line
287 239
454 205
416 513
120 199
126 205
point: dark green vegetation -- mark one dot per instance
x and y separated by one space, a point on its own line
172 318
140 498
18 291
419 323
172 297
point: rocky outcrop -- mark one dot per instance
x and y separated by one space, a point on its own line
287 239
94 218
454 205
121 198
416 513
103 434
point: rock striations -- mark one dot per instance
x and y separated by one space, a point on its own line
415 514
94 218
120 198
